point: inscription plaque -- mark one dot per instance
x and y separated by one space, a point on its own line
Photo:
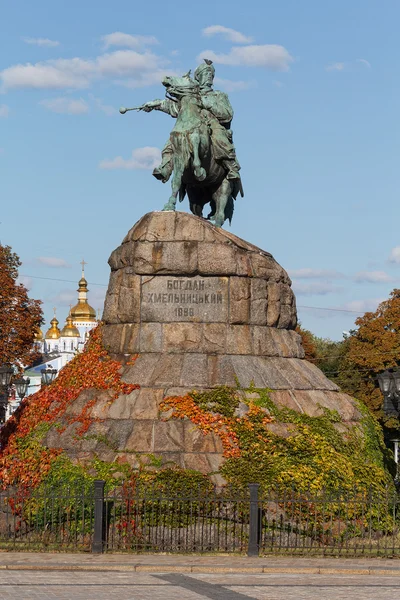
195 299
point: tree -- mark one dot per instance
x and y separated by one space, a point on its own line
308 341
374 347
332 358
20 316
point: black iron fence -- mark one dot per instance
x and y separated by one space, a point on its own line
91 518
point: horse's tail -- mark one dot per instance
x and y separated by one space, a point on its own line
229 208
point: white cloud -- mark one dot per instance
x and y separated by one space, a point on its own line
373 277
146 79
4 110
80 73
142 158
66 106
362 306
229 34
64 298
270 56
107 109
277 83
318 288
52 261
126 40
41 42
338 66
364 62
233 86
395 255
315 274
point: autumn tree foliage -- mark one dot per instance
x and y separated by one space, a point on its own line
20 316
308 342
374 347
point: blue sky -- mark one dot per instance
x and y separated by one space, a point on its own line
315 88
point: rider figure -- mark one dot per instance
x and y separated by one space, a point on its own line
219 114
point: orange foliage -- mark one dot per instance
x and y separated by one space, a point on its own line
92 369
307 339
374 347
20 316
226 428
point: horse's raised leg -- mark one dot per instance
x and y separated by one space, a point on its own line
221 197
199 172
176 186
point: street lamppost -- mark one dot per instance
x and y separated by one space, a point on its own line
21 385
6 373
389 384
48 375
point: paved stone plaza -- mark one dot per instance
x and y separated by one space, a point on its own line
60 576
28 585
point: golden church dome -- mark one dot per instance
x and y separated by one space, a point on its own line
83 312
69 329
53 333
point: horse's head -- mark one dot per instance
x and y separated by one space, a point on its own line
178 87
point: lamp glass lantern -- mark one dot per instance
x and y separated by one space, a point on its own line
48 375
385 380
396 381
6 373
21 386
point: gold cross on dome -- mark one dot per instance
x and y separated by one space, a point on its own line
83 263
55 310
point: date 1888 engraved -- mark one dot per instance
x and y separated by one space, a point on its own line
195 299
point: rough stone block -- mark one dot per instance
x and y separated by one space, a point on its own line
296 377
220 370
285 399
111 337
243 264
151 337
285 317
239 305
216 260
192 230
142 437
239 340
169 436
286 294
129 301
263 342
138 231
167 372
214 338
161 227
271 374
146 403
247 371
173 258
141 372
266 267
194 370
182 337
119 430
197 441
130 338
196 461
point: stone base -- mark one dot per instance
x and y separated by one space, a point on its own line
201 308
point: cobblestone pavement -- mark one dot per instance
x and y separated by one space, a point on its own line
78 585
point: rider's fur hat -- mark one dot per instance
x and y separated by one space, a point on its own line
206 66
